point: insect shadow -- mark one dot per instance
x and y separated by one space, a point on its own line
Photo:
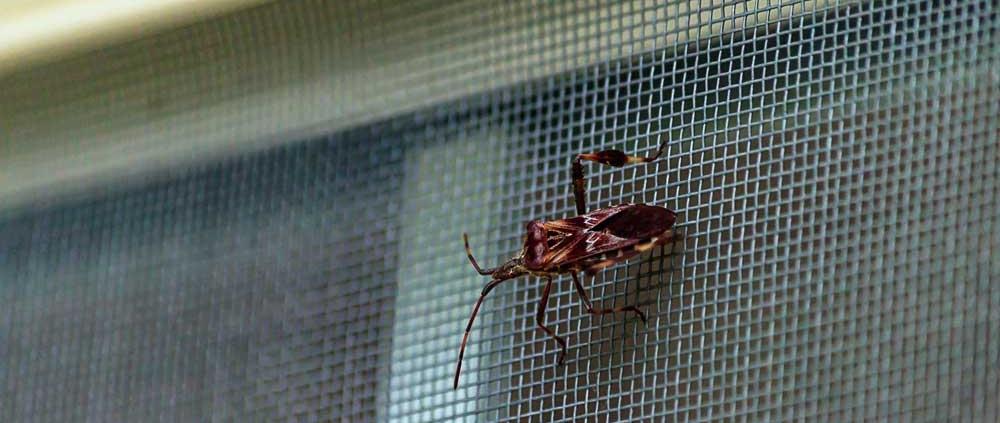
587 243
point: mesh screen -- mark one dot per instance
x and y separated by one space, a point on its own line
835 172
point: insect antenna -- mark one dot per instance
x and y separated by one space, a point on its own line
465 338
468 252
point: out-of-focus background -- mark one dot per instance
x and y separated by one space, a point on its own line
250 210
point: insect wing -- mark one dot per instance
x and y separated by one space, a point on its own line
606 236
585 222
578 249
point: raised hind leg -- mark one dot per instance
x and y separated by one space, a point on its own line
614 158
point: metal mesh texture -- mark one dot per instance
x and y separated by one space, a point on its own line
835 173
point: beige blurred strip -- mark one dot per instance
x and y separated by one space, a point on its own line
38 31
289 70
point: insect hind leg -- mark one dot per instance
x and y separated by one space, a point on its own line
590 308
615 158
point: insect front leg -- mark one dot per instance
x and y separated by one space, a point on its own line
615 158
590 307
540 318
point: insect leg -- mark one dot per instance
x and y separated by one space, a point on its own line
590 307
461 351
579 195
615 158
540 318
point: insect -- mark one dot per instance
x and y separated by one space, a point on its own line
587 242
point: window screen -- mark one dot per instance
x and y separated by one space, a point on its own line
833 167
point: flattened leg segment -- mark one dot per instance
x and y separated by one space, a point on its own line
579 187
615 158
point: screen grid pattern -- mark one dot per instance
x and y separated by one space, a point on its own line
834 172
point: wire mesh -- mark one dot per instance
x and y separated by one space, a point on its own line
835 172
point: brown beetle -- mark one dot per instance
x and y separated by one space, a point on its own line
588 242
